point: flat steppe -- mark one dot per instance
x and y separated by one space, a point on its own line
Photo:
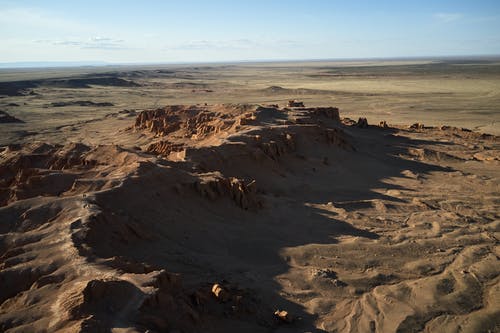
461 93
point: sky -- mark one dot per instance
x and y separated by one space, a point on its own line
154 31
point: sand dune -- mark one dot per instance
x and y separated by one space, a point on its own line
347 229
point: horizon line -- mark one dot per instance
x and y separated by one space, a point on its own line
97 63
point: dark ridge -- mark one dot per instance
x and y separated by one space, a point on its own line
80 103
23 88
120 74
86 82
180 85
299 91
7 118
275 89
164 71
17 88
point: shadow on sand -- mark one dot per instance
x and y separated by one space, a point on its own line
215 241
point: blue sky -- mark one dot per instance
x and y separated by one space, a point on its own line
219 30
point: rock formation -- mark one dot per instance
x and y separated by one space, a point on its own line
295 104
223 218
164 148
243 194
418 126
362 123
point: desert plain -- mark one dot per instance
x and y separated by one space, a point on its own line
197 198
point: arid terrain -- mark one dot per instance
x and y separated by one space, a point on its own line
196 199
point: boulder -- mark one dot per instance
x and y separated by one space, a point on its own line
283 316
220 293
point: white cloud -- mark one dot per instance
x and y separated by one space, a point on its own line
100 39
216 44
103 43
448 17
65 42
233 44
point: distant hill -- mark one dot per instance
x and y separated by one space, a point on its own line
43 64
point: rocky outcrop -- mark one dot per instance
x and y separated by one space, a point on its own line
281 145
164 148
417 126
327 112
194 122
337 137
169 307
159 122
38 170
243 194
202 121
53 170
362 123
295 104
202 124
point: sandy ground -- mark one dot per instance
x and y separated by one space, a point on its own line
214 218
